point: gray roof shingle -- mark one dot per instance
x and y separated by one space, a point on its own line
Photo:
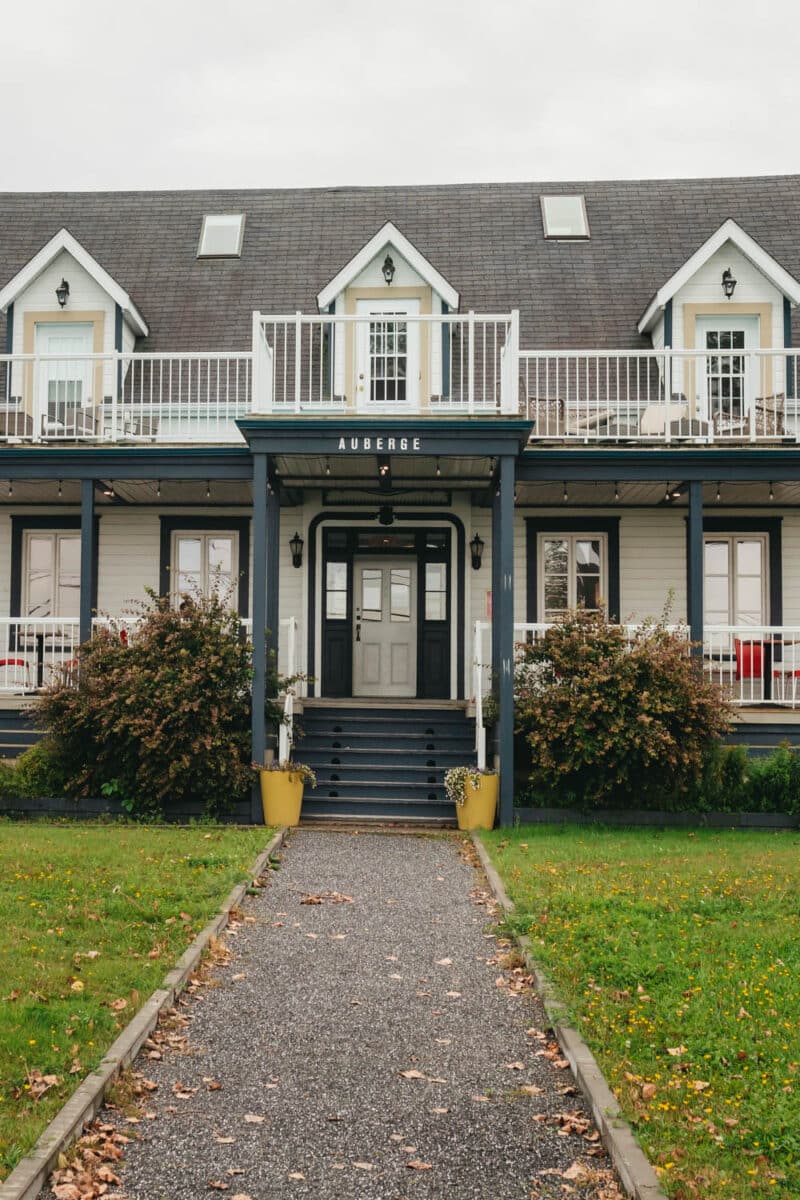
486 239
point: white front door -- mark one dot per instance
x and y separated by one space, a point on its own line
385 627
728 383
387 355
64 383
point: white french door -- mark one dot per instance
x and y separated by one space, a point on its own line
385 627
387 354
735 580
728 383
64 383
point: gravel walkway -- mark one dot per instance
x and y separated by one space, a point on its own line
320 1010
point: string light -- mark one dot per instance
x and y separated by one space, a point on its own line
565 497
438 468
719 493
59 487
158 487
771 491
616 491
327 466
11 487
208 490
667 495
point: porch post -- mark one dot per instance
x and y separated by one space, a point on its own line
503 618
260 470
694 565
273 566
88 587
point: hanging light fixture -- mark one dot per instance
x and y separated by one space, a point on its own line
11 487
476 550
728 283
438 468
616 491
565 497
388 269
158 487
327 466
62 293
771 491
59 488
718 496
208 489
108 489
296 546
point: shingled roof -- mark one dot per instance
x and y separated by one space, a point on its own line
487 239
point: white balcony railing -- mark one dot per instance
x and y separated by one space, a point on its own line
661 396
32 650
115 397
379 363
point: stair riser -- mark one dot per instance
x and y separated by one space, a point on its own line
389 810
387 741
391 791
388 758
423 776
381 725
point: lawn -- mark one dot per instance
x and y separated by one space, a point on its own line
91 920
678 955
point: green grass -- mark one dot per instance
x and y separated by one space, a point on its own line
90 915
683 942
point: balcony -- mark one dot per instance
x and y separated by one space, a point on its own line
399 365
660 397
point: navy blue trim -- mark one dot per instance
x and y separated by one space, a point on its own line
446 328
88 568
10 329
469 436
503 615
124 462
668 325
705 463
58 524
589 524
787 341
357 519
258 730
238 525
694 565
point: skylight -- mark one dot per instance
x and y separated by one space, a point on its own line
221 235
564 217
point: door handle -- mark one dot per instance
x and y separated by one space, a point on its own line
358 631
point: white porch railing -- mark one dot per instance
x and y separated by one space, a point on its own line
116 397
33 649
379 363
661 396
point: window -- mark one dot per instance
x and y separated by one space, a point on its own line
564 217
221 236
572 574
436 591
205 563
52 575
735 580
728 389
336 591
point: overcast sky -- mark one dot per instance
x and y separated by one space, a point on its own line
100 94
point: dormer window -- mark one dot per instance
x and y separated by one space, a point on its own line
221 235
564 217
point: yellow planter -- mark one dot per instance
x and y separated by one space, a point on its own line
480 805
281 796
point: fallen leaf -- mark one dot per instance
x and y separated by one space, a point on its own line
364 1166
440 1110
416 1164
576 1171
235 1171
254 1119
530 1089
676 1051
77 986
455 995
411 1074
444 962
118 1005
296 1174
480 1099
218 1185
239 975
225 1141
241 1196
648 1091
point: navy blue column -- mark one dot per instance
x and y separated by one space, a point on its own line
273 568
694 564
88 559
503 618
495 581
260 491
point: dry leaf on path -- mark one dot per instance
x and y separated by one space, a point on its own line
364 1166
254 1119
416 1164
411 1074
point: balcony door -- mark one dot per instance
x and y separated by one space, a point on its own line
385 638
728 382
64 383
735 583
387 355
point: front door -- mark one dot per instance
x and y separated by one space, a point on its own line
385 627
728 383
387 355
64 383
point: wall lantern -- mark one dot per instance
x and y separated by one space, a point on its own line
386 514
476 549
62 293
296 546
728 283
388 269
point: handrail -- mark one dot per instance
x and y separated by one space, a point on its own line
286 731
477 686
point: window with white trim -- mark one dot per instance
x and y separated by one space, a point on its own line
564 217
51 574
572 573
735 579
204 563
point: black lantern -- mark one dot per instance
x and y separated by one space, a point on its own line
388 269
386 514
476 549
728 283
296 546
62 293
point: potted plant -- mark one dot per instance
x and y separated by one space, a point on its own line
474 793
282 786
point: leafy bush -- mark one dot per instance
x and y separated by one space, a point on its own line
615 720
162 718
8 778
40 771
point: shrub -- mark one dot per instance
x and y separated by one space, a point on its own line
612 719
40 771
8 778
160 718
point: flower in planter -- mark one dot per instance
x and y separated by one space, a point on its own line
455 782
294 768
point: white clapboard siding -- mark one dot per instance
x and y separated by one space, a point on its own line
85 295
705 287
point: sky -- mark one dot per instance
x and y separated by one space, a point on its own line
318 93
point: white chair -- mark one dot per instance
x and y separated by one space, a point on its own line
653 421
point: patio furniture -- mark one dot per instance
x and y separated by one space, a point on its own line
15 423
653 421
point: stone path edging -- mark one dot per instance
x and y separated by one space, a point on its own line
30 1174
631 1163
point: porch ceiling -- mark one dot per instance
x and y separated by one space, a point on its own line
161 493
328 470
649 494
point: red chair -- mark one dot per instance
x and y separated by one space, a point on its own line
14 675
749 664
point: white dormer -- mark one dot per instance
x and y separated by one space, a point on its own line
694 299
411 270
87 307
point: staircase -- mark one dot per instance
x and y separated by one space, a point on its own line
374 762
